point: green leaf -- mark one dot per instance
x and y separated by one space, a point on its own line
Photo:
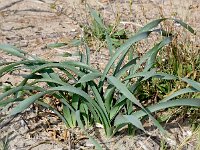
179 92
151 25
104 113
125 119
186 26
10 100
123 48
155 50
26 103
56 45
97 145
52 109
76 42
87 55
67 64
12 50
193 83
110 45
126 67
68 116
168 104
19 88
97 18
49 80
151 74
123 89
89 77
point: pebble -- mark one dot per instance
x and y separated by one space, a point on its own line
89 144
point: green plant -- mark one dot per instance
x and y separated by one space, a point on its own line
89 96
96 32
4 144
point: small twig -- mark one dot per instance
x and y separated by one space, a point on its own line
69 141
10 5
133 23
39 143
7 121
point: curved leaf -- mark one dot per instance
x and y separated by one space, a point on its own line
26 103
89 77
123 48
168 104
179 92
12 50
125 119
151 25
193 83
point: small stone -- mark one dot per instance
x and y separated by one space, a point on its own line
89 144
23 43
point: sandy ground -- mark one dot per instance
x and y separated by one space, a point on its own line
33 24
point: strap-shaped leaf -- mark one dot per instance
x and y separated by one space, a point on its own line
151 25
97 145
186 26
56 45
26 103
151 74
19 88
123 48
173 103
97 18
52 109
12 50
179 92
110 45
125 119
193 83
124 90
89 77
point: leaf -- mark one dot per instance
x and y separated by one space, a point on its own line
12 50
52 109
123 48
125 119
26 103
51 81
151 74
97 145
150 56
17 89
155 50
56 45
97 18
89 77
124 90
68 116
179 92
173 103
10 100
104 113
193 83
186 26
151 25
66 64
110 45
126 67
87 55
76 42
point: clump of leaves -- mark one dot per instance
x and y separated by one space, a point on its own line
89 96
96 31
